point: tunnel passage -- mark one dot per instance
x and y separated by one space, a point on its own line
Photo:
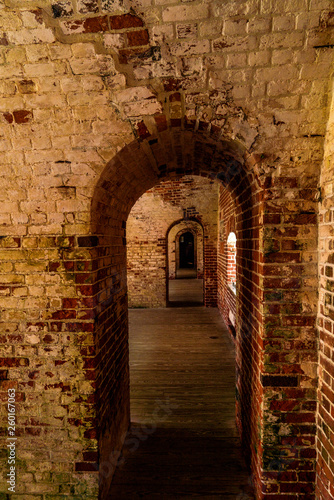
187 251
153 229
180 291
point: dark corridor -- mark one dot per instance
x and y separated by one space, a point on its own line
187 253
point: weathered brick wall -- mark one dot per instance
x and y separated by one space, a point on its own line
151 222
290 340
325 418
98 104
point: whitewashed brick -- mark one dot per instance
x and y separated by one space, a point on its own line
11 103
308 71
134 94
190 48
69 84
114 41
45 100
30 20
85 99
307 20
161 33
41 142
259 58
259 25
38 35
318 5
235 27
37 53
236 60
39 69
139 108
84 66
192 66
9 21
284 23
83 50
16 55
185 12
275 73
10 71
281 40
60 51
211 28
284 56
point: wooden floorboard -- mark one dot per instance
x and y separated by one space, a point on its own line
185 292
183 441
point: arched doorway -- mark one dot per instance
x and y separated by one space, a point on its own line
174 236
114 196
187 289
179 290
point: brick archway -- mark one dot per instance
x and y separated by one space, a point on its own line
126 177
270 428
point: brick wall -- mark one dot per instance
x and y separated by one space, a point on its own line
174 235
325 418
152 226
290 339
227 224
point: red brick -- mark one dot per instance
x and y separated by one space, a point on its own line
161 122
69 303
299 417
137 38
284 405
142 130
11 362
96 24
22 116
125 21
296 487
8 116
64 314
283 257
302 218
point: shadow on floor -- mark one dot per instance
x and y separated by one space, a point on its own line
185 293
186 273
174 463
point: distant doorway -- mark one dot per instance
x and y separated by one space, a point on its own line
185 284
187 252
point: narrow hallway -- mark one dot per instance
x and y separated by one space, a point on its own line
183 441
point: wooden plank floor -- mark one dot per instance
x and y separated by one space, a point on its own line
183 441
185 292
